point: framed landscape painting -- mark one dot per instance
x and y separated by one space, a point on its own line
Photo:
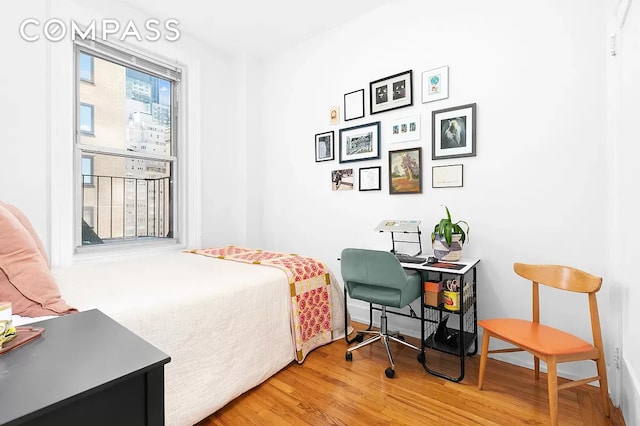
405 171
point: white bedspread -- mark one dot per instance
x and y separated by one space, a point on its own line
225 324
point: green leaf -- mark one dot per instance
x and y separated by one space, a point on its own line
446 228
464 237
447 234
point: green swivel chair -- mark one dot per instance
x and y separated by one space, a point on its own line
378 278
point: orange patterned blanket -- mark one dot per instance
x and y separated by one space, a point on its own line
310 285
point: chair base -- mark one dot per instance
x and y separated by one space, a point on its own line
383 335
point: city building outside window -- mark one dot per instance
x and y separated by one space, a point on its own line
127 111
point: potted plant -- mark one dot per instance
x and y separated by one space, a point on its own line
448 237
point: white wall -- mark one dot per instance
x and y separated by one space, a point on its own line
36 154
24 152
626 91
535 190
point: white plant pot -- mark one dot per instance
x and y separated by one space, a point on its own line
443 251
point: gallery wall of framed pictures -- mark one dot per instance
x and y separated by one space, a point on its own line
453 134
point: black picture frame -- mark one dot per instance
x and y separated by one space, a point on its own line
325 146
453 132
367 179
359 143
405 177
392 92
354 105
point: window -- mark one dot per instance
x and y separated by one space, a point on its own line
87 170
86 68
127 150
86 119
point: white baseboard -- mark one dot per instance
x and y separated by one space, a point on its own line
630 398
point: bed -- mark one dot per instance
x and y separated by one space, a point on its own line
229 317
226 323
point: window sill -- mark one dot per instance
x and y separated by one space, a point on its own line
124 250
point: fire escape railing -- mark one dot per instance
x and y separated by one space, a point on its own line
125 208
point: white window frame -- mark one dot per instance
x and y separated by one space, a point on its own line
152 66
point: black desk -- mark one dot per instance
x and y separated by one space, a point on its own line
85 369
466 315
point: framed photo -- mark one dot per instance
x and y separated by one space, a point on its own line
403 129
405 171
324 146
334 115
369 179
354 105
435 84
342 179
446 176
454 132
360 142
395 91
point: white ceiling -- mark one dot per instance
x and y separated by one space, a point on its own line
254 27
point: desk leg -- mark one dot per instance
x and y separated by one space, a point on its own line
422 354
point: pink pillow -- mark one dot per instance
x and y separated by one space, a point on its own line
26 280
27 225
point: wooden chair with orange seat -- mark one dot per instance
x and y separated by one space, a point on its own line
546 343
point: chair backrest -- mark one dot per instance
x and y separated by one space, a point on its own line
372 267
564 278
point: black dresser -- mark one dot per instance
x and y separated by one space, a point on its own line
85 369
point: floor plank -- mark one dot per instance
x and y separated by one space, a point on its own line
328 390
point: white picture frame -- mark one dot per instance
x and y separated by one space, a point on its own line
403 129
446 176
435 84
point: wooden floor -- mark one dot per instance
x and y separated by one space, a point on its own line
328 390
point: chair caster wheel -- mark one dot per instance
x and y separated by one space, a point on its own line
401 337
359 338
421 358
348 356
390 372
